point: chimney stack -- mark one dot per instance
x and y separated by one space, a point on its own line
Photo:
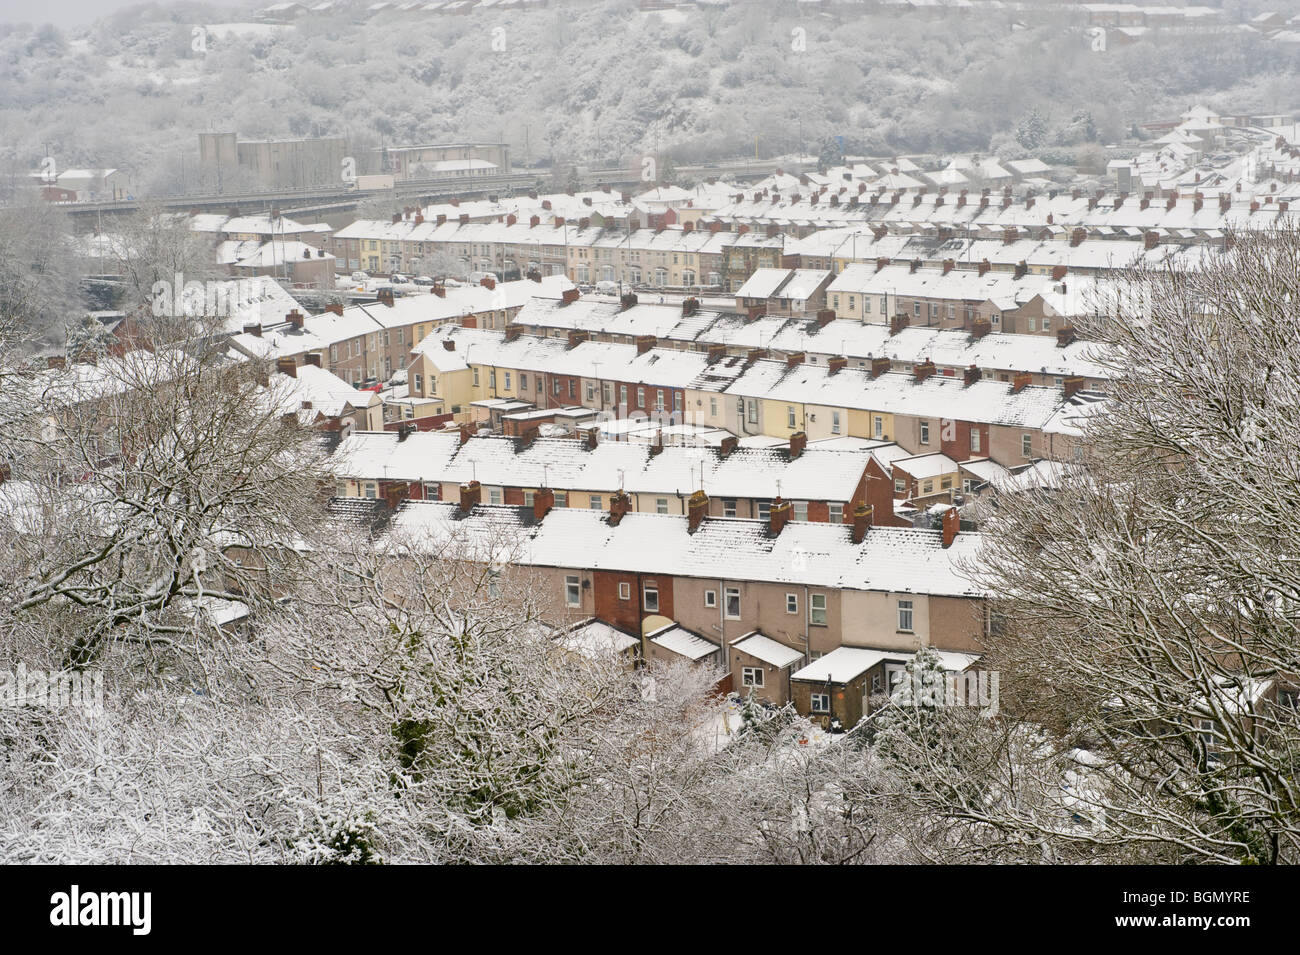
971 375
923 370
951 525
798 442
569 296
286 366
778 516
980 327
466 432
1072 386
254 329
727 445
644 343
861 522
696 509
1020 381
576 337
836 364
619 505
880 366
793 359
470 496
543 501
898 323
1065 336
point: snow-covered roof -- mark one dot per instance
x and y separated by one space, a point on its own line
766 649
683 642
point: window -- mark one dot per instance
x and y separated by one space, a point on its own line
800 509
878 426
836 513
494 495
573 389
622 395
975 439
925 432
371 491
651 603
764 510
710 598
820 702
729 507
334 353
900 486
905 616
751 676
572 592
528 498
713 407
640 397
595 502
624 590
945 482
523 381
507 381
732 608
753 412
561 498
817 610
789 416
835 422
928 486
659 399
556 383
476 377
1026 445
419 384
661 505
791 603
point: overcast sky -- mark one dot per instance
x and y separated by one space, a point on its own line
66 13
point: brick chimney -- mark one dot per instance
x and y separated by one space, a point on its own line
727 445
449 344
862 514
1059 272
898 323
690 306
513 331
1072 386
569 296
312 358
644 343
543 501
1077 236
534 221
980 327
880 366
590 438
793 359
754 354
488 282
1065 336
835 364
697 506
619 505
778 516
336 308
971 375
254 329
1020 381
295 318
1009 234
825 316
716 353
881 263
470 496
923 370
948 266
286 366
627 301
951 526
466 432
1150 240
798 442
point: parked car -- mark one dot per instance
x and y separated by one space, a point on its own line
361 278
607 288
397 278
422 280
